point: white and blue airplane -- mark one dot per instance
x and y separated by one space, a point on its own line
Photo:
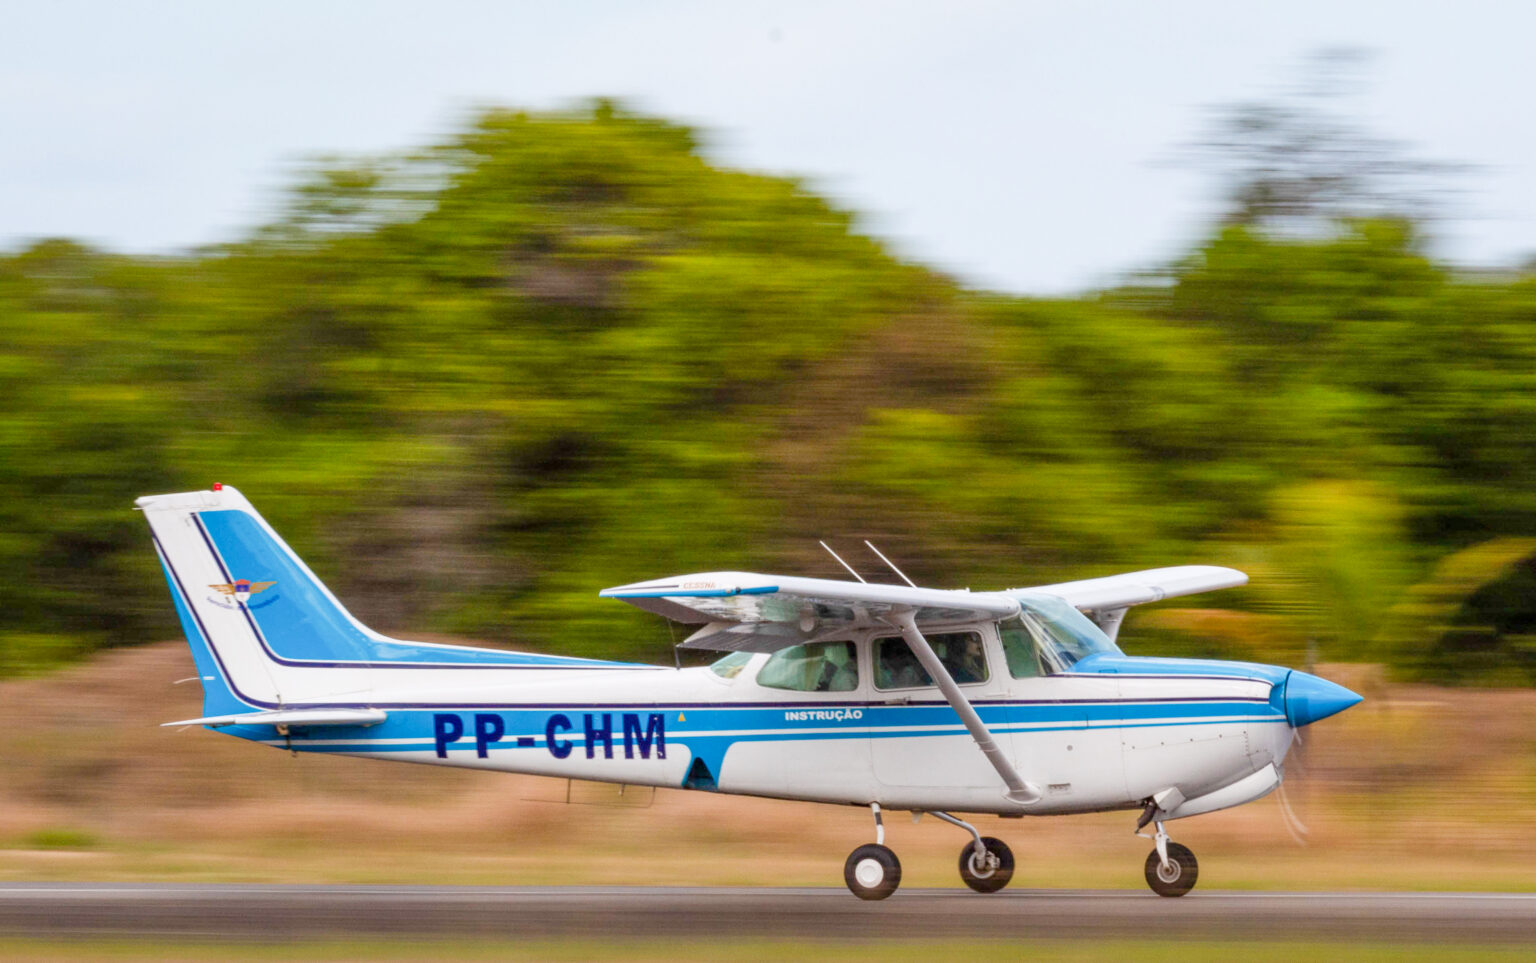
892 697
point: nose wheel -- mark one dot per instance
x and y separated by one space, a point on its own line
1171 868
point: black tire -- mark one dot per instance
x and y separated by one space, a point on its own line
1184 871
872 872
995 879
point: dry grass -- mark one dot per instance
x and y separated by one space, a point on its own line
1418 788
758 951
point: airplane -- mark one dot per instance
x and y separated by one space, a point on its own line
889 697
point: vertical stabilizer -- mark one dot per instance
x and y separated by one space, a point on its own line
261 623
229 661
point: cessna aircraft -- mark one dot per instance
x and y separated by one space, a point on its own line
891 697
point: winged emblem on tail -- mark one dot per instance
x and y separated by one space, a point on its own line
241 588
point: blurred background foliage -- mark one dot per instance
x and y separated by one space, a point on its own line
475 384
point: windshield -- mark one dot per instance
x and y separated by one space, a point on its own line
1062 632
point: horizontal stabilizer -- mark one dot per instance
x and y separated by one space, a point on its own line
292 717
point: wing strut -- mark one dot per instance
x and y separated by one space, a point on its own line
1018 790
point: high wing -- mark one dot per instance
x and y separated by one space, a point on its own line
748 612
1105 599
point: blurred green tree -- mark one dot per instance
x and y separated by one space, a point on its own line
476 383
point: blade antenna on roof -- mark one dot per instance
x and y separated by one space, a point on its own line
840 561
892 564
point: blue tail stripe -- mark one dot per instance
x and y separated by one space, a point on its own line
218 697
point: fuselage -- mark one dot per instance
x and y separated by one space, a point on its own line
1108 734
837 705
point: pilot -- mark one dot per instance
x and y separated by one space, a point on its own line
839 673
971 665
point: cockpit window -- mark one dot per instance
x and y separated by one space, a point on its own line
1020 650
813 667
1064 635
731 665
961 654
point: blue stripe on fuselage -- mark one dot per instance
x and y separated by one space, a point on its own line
717 728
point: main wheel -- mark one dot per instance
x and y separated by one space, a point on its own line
872 872
1178 877
989 874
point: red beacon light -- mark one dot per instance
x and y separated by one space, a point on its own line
218 486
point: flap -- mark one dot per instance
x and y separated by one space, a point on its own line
745 611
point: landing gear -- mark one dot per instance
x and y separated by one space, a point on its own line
872 872
990 872
1171 868
986 865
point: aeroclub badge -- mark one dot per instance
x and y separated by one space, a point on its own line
241 590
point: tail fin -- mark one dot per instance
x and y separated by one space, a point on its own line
256 617
232 680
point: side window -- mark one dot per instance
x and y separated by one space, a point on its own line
813 667
731 665
1019 649
960 652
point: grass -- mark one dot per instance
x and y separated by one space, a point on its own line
60 838
758 951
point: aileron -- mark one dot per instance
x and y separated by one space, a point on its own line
1138 588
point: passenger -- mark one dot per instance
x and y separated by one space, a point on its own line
899 669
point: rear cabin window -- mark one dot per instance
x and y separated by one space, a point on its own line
813 667
961 654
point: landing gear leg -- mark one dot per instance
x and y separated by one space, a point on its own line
986 865
1171 869
873 871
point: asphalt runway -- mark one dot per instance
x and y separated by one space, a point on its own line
270 912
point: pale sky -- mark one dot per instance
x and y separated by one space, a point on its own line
1019 146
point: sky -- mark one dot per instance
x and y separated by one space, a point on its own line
1020 147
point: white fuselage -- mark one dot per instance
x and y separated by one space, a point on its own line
1090 741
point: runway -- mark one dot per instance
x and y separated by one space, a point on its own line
267 912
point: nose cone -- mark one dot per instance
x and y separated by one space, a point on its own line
1308 699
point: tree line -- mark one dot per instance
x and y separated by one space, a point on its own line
474 384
